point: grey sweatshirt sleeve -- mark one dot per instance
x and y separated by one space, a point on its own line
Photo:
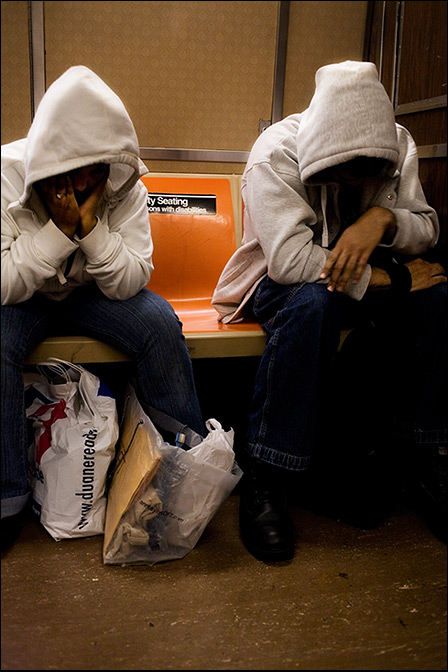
285 224
417 222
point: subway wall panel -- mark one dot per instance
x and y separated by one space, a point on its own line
193 75
15 68
320 33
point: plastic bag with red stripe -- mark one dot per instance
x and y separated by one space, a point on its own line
75 428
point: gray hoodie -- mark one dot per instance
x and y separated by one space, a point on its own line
79 122
291 214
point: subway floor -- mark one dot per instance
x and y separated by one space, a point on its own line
351 599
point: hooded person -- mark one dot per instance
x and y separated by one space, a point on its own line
80 122
77 255
327 194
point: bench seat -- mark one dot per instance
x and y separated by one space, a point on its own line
242 342
196 225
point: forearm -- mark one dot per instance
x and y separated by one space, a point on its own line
379 280
120 266
421 274
29 261
390 224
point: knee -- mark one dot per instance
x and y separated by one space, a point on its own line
12 353
159 316
14 341
314 302
310 318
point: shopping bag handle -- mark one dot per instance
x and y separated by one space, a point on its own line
185 437
61 367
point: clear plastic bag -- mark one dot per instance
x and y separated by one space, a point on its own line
170 497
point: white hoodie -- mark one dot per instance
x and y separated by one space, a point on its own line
291 213
80 121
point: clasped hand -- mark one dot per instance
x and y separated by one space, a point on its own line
348 259
73 212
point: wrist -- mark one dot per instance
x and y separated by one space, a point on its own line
400 277
379 279
87 226
390 226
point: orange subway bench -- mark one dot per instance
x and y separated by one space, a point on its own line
196 226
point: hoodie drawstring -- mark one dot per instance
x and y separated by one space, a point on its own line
61 277
323 202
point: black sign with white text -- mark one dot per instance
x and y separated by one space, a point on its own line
182 204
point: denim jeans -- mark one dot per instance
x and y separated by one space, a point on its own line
144 326
293 384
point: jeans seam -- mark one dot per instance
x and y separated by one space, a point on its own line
272 455
430 436
294 290
267 403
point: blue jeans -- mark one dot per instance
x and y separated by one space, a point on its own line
293 384
144 326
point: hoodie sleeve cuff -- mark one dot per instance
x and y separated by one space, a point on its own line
53 245
357 291
95 241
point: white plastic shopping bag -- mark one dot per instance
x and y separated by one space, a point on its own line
75 423
162 496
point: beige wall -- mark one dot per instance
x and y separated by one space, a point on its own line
15 69
195 75
319 33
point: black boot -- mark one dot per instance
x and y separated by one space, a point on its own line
266 528
428 489
10 530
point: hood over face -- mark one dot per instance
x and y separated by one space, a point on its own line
81 121
350 115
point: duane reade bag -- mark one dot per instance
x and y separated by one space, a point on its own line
75 429
163 496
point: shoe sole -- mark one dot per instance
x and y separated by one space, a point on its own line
273 555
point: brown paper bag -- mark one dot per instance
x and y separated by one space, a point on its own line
138 457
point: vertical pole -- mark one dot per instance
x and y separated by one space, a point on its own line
280 61
36 26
